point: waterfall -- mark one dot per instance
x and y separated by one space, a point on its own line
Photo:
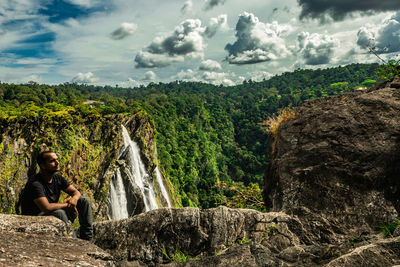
162 187
138 171
118 202
125 198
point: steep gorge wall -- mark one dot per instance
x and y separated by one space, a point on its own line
336 165
87 147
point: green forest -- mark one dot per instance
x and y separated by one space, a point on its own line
211 142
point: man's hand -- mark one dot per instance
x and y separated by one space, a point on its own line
74 196
71 204
72 201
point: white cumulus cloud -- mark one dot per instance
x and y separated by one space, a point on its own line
88 77
210 65
185 75
130 83
215 24
257 41
384 38
187 40
316 48
218 78
150 76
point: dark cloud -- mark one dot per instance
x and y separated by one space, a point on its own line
187 7
212 3
145 59
339 9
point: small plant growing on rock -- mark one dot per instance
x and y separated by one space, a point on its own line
178 256
243 241
388 229
273 124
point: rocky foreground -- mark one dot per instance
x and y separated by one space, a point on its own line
187 237
45 241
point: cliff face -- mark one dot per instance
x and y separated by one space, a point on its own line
88 148
337 163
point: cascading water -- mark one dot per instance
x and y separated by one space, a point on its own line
137 180
138 171
119 208
162 187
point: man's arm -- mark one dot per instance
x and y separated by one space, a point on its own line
45 206
74 193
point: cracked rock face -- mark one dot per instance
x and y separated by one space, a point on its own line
382 253
155 236
232 237
336 165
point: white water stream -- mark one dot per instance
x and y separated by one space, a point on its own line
137 177
138 171
119 203
162 187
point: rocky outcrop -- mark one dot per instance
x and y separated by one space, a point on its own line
336 165
44 241
232 237
186 237
157 236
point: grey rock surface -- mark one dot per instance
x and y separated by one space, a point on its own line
47 225
381 253
336 165
44 241
154 237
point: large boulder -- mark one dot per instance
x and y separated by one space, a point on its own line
230 237
336 165
159 235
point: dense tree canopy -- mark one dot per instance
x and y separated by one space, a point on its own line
206 134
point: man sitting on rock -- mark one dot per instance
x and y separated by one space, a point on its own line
42 192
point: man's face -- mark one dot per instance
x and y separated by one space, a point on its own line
50 163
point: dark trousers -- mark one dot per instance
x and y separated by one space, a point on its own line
85 217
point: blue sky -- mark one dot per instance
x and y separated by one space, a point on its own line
216 41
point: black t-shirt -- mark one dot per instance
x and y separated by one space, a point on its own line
36 188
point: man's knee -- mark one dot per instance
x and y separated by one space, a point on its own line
60 214
84 201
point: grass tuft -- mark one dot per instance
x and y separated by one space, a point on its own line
273 124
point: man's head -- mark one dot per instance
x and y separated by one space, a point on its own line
48 162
